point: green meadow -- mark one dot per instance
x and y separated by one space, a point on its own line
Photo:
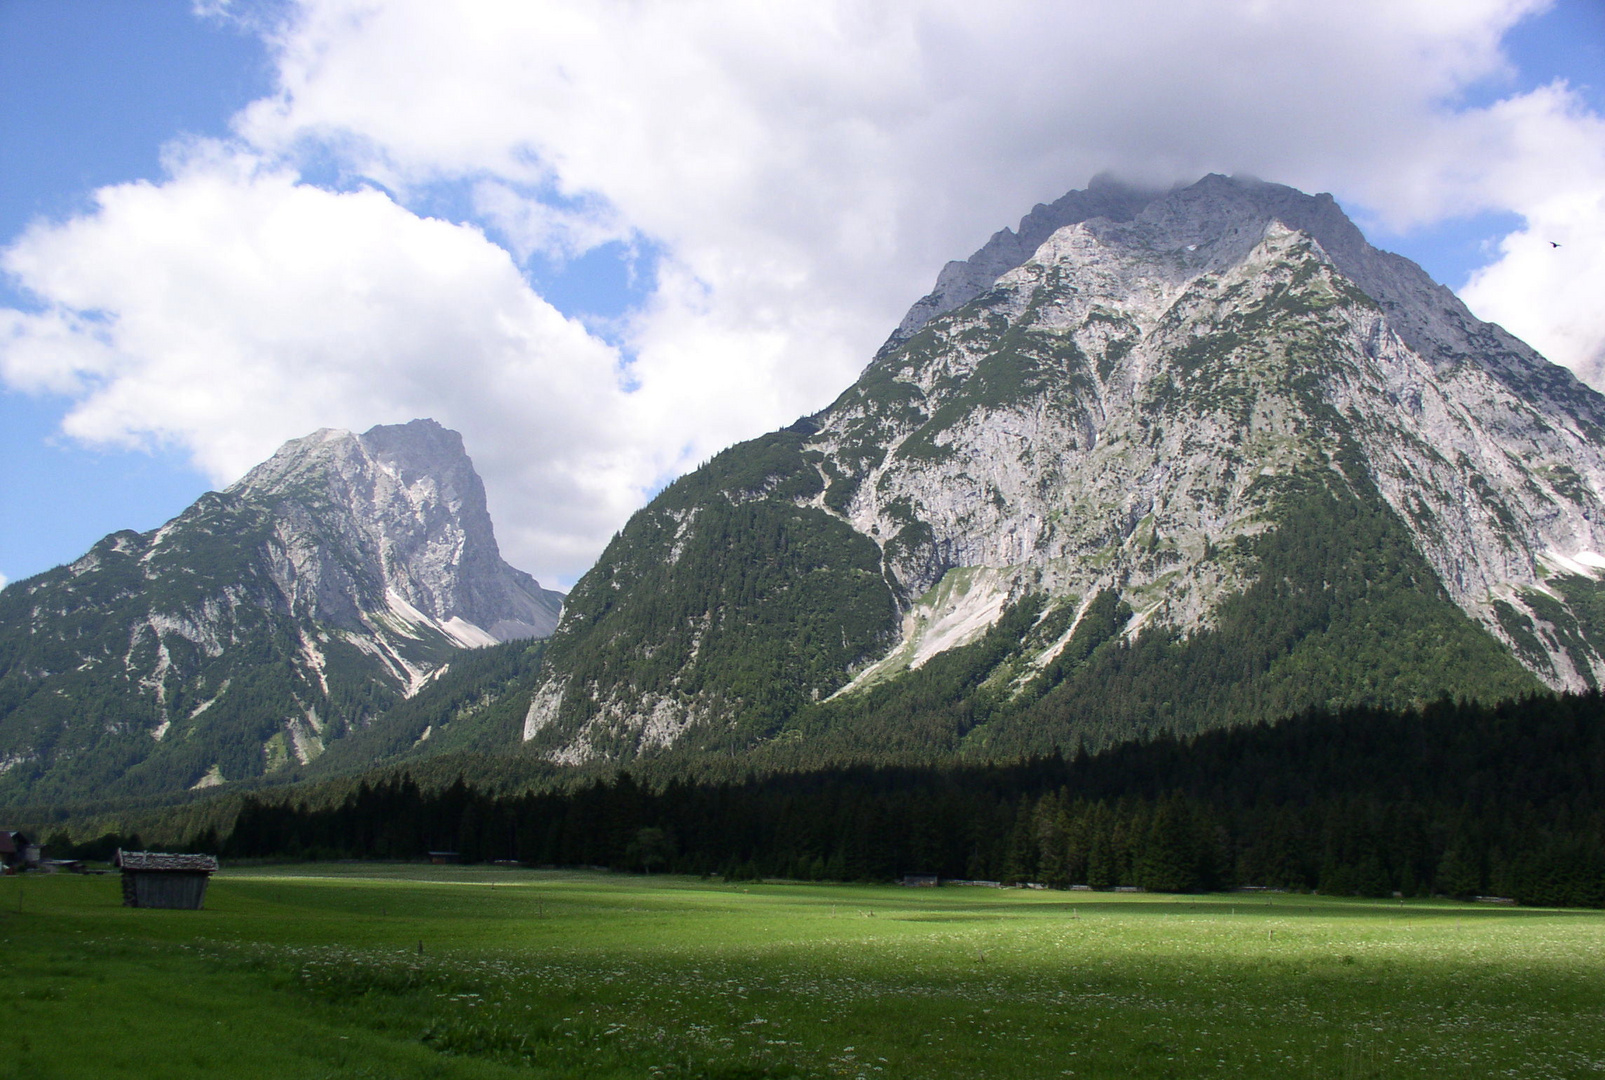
371 970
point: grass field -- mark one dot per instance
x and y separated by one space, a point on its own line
404 971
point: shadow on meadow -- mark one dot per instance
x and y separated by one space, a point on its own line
400 971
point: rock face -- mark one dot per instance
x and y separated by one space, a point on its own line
261 624
394 518
1226 454
960 282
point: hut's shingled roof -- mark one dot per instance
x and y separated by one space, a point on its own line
162 860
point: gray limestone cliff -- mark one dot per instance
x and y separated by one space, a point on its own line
395 516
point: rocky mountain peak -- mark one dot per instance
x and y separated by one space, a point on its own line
1214 222
1225 215
963 280
1312 340
405 499
417 451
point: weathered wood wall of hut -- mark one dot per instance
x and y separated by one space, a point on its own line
165 889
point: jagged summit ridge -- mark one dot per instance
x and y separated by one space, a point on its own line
961 281
1219 215
406 499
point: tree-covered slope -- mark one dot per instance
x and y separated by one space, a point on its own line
728 602
475 704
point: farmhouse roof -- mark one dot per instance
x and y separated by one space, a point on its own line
162 860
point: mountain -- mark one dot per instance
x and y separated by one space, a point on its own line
1158 461
262 624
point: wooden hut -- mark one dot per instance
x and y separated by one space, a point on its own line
158 879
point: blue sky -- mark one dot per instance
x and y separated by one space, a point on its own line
665 293
1565 42
90 91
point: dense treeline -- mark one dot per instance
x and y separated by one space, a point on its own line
1457 799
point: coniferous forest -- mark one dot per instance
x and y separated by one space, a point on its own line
1457 799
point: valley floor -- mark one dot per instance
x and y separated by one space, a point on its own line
373 970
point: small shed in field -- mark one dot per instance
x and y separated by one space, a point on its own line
158 879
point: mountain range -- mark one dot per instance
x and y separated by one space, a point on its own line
262 625
1156 461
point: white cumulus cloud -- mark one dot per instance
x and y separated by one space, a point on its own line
1546 285
231 307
